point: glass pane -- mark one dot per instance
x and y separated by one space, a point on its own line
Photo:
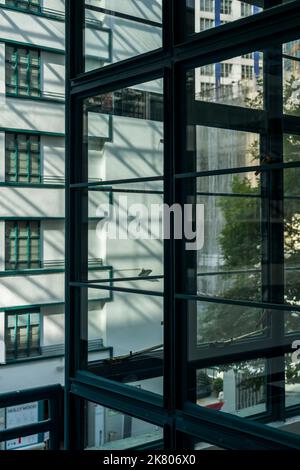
237 81
107 429
34 229
292 244
292 377
116 30
216 149
207 14
114 151
225 325
223 247
127 235
291 75
238 388
130 327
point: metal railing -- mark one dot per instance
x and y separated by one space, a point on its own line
53 424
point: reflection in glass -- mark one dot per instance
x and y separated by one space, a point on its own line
131 329
292 240
116 30
237 81
206 14
237 388
123 133
107 429
291 78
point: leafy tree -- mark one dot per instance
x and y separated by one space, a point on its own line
240 243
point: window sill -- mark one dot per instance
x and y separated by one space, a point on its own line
35 98
44 13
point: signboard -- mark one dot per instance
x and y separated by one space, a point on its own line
19 416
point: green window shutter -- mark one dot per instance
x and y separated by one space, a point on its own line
22 245
23 159
27 5
23 71
22 334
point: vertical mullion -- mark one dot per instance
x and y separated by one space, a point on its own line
17 71
16 245
169 368
16 143
28 334
28 159
74 407
28 245
273 91
28 74
16 336
39 159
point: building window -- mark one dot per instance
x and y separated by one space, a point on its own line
22 156
226 7
207 5
22 245
22 334
247 72
248 56
22 71
226 69
207 69
246 9
206 23
225 91
29 5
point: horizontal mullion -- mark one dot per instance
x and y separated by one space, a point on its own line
136 19
121 397
242 303
32 394
140 69
119 181
202 113
91 285
26 430
255 348
243 169
231 431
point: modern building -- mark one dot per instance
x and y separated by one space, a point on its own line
166 103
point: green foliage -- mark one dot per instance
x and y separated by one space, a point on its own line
240 243
217 385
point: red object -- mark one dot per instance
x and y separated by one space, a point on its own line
216 406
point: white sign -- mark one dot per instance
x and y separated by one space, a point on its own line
19 416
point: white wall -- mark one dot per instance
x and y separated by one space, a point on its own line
52 72
32 115
31 202
33 289
53 322
52 156
53 243
31 29
134 322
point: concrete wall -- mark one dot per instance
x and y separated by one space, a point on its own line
31 29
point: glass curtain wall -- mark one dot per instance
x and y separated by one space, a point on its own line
182 170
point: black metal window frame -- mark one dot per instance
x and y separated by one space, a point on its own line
182 421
